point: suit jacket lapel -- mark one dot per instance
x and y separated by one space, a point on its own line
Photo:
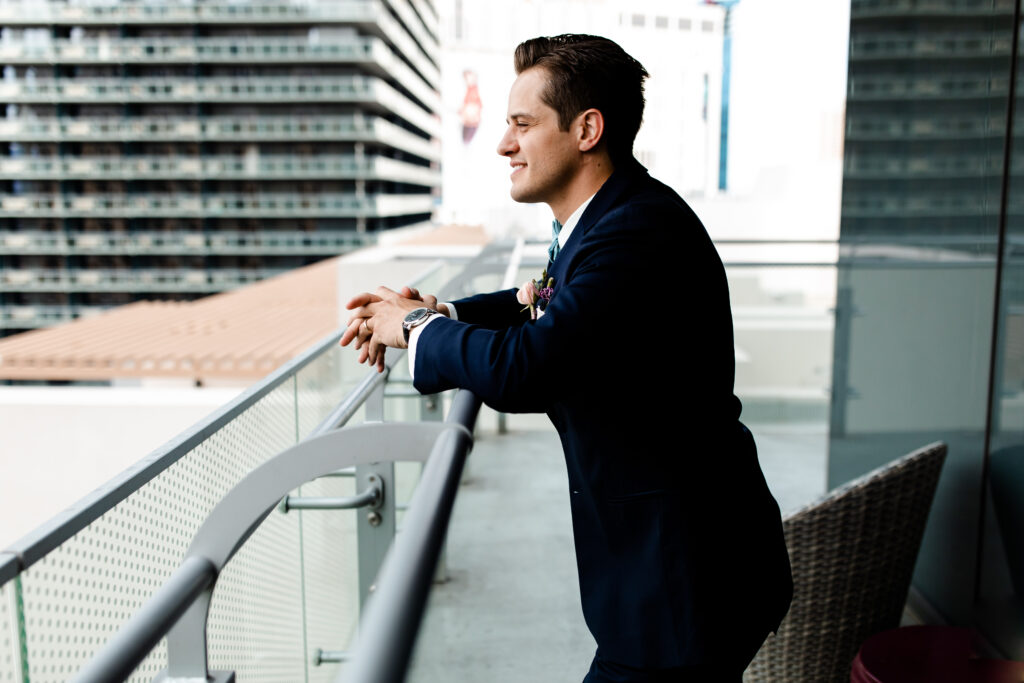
603 201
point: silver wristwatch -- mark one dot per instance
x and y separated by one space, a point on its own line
415 318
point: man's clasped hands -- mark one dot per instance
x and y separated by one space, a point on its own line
376 321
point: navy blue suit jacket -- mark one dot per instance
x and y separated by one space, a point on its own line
679 544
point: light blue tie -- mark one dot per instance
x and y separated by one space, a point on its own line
554 248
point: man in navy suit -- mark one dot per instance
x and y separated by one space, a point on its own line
682 562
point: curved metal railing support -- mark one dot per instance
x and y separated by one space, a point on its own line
183 602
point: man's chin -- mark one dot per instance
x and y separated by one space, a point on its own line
521 196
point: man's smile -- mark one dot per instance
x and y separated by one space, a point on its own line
517 166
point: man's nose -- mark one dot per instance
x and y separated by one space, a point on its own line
506 145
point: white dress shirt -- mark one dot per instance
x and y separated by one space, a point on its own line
563 237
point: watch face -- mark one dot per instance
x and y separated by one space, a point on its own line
416 314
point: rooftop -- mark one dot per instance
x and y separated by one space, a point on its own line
241 334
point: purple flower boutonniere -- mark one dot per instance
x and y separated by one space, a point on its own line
535 294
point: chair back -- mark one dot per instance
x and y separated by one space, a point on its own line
852 554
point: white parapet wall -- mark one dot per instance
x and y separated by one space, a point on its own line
60 442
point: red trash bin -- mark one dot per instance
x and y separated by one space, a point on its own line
928 654
914 654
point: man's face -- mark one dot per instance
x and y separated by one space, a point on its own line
544 159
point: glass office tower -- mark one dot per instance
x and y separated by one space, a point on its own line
929 339
168 150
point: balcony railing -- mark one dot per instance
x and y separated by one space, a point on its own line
861 9
256 167
926 87
98 561
355 89
881 205
356 128
907 168
369 51
268 205
43 315
156 50
134 280
952 46
935 127
368 14
226 242
426 39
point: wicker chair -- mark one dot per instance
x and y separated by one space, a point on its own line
853 553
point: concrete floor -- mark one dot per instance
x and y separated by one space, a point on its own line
510 609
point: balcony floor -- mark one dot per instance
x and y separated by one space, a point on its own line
510 609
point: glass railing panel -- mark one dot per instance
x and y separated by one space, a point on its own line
330 574
330 554
320 387
78 595
783 326
783 319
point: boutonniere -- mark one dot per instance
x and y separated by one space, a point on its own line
536 294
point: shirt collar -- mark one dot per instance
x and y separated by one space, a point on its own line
570 224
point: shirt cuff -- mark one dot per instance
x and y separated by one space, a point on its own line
451 310
414 336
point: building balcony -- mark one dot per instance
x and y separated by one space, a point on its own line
348 128
419 24
265 205
256 167
867 46
125 280
370 52
42 315
925 167
924 204
928 87
368 15
367 91
865 9
220 243
864 127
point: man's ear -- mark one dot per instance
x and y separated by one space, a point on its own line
591 129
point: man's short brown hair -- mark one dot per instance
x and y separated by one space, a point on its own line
587 72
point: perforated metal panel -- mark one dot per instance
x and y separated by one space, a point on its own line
10 662
77 597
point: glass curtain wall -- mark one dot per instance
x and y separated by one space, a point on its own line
999 595
929 336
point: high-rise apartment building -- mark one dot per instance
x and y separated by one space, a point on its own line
925 118
170 149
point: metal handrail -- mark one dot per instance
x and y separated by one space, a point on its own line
8 567
123 653
34 546
389 628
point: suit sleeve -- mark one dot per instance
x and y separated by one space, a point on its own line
494 310
527 367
